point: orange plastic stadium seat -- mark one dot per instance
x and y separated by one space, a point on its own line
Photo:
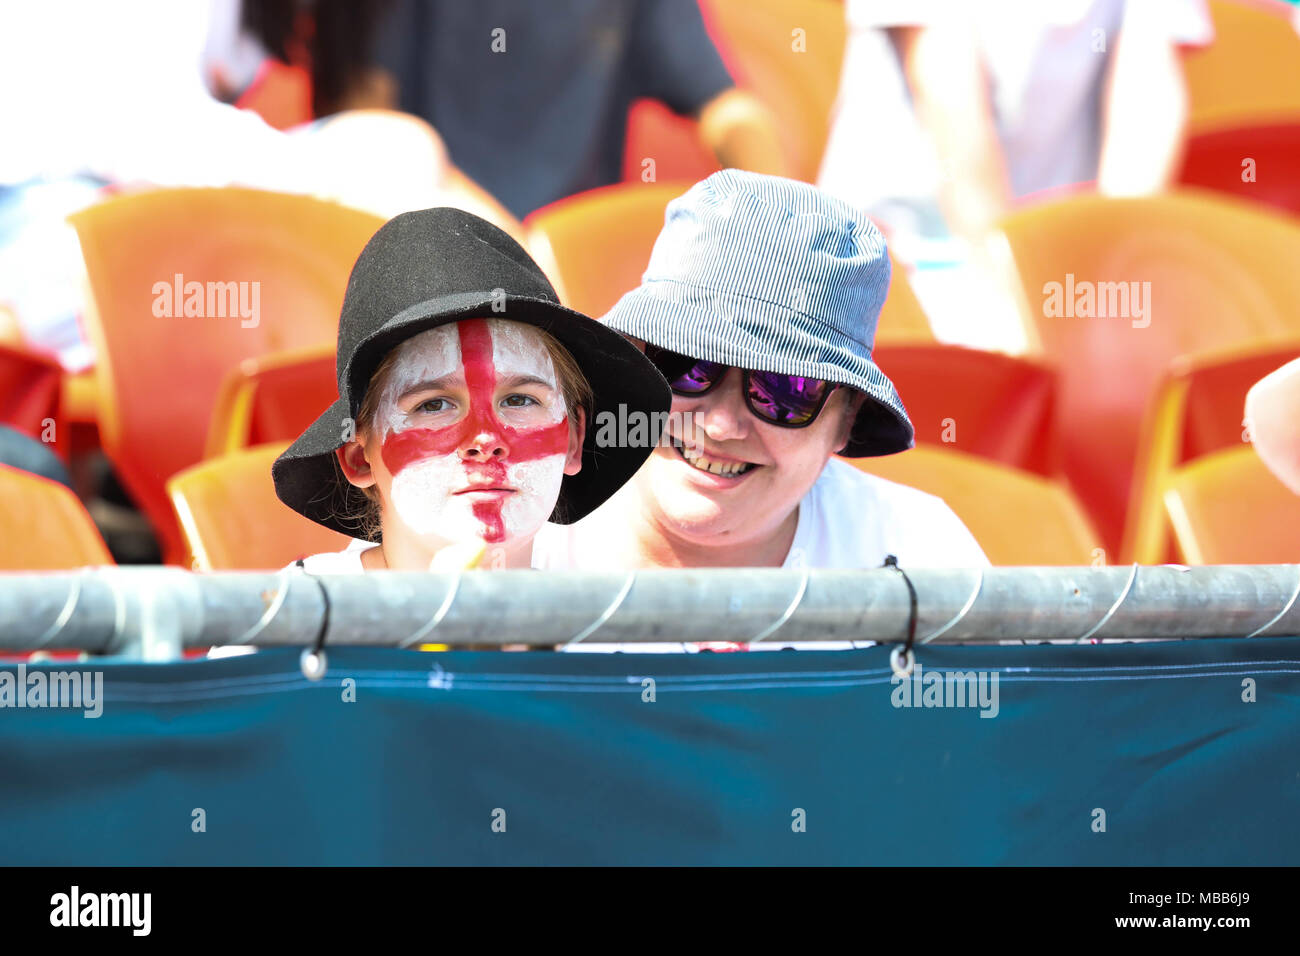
1255 163
1227 508
789 55
286 258
1197 409
233 521
795 74
597 244
29 390
271 398
1120 288
1017 518
1251 72
46 528
988 404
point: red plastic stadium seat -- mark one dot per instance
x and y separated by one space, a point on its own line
271 398
996 406
29 390
1267 156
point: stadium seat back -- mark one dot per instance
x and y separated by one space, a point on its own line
1198 409
597 245
232 519
1017 518
29 390
1251 72
271 398
1207 273
1255 163
988 404
1228 508
44 525
285 258
599 241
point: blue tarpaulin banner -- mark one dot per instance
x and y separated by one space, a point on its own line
1153 753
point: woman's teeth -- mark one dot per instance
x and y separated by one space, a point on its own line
726 469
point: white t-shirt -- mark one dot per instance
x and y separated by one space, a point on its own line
849 519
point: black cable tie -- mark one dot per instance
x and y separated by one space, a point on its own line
892 562
316 652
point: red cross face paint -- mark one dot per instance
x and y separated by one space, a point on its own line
475 431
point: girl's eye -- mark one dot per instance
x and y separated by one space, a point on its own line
432 405
519 401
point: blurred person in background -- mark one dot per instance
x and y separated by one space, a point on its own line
759 306
532 97
1273 414
102 95
949 112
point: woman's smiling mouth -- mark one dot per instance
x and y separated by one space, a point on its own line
719 467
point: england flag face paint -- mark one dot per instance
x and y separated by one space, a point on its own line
475 431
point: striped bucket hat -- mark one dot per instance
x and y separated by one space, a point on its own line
774 275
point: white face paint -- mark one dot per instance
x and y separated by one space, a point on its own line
473 428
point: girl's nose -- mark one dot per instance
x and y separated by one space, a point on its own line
483 447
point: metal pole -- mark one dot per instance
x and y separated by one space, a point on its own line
150 612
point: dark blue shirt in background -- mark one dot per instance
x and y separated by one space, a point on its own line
547 117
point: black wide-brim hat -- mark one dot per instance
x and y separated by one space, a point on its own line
430 267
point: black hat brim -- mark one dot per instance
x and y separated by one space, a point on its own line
309 480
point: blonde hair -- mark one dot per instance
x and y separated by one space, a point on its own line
574 388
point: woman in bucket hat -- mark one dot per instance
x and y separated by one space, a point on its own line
760 305
465 393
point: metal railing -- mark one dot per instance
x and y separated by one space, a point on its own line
152 613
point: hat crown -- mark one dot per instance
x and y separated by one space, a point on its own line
779 241
426 261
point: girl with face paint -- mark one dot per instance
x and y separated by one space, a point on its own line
467 394
464 437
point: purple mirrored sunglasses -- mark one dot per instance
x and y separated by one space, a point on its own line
790 401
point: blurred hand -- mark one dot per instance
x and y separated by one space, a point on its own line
462 556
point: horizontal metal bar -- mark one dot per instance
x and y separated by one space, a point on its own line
152 612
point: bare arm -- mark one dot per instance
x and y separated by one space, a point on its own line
949 88
741 132
1273 414
1145 110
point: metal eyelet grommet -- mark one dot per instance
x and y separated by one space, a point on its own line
902 661
314 663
